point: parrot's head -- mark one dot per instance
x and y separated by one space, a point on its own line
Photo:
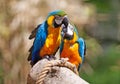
67 31
57 18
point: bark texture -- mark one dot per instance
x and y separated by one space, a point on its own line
57 75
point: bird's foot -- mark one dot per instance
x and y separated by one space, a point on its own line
46 57
50 57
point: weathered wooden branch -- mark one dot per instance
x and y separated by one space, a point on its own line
57 75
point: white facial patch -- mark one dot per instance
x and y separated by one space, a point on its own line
70 29
58 20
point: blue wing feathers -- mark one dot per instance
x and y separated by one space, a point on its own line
39 41
82 50
82 47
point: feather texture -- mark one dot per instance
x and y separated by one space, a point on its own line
74 49
47 38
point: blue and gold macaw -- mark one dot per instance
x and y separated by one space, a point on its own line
47 36
72 47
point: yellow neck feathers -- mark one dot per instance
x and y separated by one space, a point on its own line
50 21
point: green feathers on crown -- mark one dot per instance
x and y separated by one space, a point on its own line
57 12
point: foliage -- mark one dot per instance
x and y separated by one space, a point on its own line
1 75
106 69
101 5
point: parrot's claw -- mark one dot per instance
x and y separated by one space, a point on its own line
63 60
47 57
51 57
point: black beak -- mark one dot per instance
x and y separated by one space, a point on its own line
65 22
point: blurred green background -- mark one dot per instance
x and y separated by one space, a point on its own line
98 22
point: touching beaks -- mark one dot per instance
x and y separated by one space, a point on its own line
67 32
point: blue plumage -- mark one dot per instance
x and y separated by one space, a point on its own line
40 38
82 47
82 50
42 45
76 52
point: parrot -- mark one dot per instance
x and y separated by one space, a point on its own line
47 37
72 46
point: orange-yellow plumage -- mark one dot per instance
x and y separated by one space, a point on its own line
52 40
50 20
47 37
70 51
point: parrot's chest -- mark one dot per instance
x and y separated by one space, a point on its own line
69 50
52 42
72 53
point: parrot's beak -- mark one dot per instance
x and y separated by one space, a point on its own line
64 25
65 21
67 31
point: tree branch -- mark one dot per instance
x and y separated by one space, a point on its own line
57 75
